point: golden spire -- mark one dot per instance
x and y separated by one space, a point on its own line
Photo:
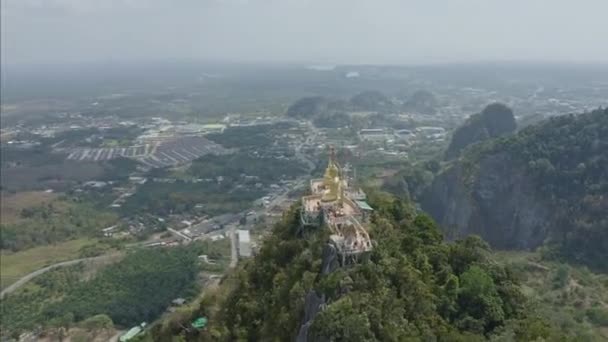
331 179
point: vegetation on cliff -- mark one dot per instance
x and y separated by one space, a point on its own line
567 157
563 164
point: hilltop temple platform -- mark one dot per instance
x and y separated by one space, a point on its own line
334 202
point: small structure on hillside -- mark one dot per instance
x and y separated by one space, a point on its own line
338 204
200 323
133 332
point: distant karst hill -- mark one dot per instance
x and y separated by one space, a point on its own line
333 112
547 184
494 121
422 101
370 101
309 107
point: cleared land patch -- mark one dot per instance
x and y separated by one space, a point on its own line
12 205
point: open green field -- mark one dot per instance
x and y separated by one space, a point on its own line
16 265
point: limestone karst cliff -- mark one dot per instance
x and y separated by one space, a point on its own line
546 184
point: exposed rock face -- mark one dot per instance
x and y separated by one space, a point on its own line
330 259
497 202
312 305
313 302
494 121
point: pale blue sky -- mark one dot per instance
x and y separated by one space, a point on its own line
309 31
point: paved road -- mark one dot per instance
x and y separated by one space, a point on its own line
36 273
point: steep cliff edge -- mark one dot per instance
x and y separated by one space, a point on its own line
546 184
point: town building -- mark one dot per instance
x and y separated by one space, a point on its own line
244 243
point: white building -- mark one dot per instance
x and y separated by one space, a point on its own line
244 243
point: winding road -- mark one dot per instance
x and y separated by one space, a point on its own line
16 285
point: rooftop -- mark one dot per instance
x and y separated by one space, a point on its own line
363 205
243 235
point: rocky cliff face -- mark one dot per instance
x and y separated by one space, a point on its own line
314 303
497 201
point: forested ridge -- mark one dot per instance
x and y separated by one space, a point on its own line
413 286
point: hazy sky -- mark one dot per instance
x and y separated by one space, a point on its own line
310 31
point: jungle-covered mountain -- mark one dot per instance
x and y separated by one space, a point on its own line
547 184
413 286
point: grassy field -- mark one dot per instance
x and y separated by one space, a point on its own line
570 296
16 265
12 205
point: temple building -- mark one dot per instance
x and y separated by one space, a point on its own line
334 202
